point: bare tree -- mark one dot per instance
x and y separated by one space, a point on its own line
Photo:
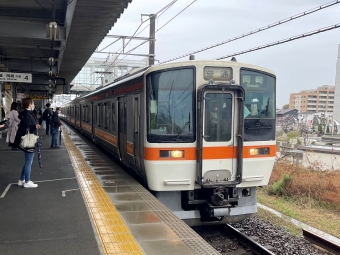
304 129
287 122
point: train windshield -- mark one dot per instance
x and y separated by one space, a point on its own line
259 106
171 106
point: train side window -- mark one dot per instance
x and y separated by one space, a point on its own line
104 120
83 114
113 117
89 113
98 115
107 116
136 117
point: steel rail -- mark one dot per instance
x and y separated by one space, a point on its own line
250 243
321 241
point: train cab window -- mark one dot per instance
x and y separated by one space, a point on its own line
259 105
218 117
171 106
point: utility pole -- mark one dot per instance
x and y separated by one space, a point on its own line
152 39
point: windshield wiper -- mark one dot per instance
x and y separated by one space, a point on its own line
182 129
259 124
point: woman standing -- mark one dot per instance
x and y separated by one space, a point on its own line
13 122
27 122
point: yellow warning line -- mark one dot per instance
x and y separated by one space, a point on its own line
113 232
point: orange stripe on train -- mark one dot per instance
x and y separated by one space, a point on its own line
106 136
222 152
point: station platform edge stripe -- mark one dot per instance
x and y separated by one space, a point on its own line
113 233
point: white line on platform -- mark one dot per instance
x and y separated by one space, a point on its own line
9 185
63 193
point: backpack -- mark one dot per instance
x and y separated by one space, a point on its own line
46 115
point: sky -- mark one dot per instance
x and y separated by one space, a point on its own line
301 64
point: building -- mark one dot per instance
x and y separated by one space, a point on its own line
337 89
290 112
314 100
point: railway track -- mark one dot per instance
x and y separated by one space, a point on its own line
321 242
250 242
255 236
229 240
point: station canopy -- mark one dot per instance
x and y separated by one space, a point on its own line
53 39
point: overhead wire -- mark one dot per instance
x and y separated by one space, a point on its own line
153 35
321 30
160 12
158 30
259 29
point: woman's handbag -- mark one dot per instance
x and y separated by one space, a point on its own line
5 123
28 141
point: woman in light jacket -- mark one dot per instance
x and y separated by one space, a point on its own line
13 122
27 122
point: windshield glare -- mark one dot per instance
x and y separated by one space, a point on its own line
170 104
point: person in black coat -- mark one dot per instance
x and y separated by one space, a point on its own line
27 123
55 124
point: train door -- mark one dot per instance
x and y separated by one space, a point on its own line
136 142
122 138
220 135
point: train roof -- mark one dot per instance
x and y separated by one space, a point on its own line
138 72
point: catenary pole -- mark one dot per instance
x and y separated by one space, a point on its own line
152 39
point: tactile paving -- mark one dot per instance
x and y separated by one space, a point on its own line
102 184
114 234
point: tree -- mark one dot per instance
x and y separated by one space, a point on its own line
320 129
285 107
304 132
327 130
286 122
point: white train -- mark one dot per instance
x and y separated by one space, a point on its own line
199 134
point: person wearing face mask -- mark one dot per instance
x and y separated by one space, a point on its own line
55 124
27 123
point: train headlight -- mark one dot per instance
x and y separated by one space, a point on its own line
259 151
171 154
177 154
254 151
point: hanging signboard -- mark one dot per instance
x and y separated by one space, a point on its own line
20 96
34 96
16 77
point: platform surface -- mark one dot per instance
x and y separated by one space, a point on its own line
85 204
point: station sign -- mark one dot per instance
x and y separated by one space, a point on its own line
16 77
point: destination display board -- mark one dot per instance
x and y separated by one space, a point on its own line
217 73
253 80
16 77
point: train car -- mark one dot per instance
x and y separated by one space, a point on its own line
200 134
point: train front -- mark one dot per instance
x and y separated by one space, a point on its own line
209 142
